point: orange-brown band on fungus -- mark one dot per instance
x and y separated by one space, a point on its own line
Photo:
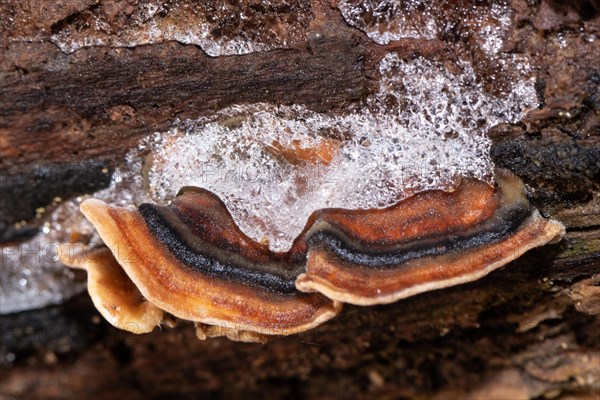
191 259
429 241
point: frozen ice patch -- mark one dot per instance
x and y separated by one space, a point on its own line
389 20
385 21
217 27
31 275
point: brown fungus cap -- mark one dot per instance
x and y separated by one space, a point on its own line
429 241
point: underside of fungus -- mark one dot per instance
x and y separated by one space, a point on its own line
191 260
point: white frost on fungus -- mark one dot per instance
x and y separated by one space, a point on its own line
423 129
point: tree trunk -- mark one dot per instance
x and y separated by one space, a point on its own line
528 330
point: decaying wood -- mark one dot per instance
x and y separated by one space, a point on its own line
528 330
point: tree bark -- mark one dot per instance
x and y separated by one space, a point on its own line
529 330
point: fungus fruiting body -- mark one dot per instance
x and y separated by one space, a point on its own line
190 259
432 240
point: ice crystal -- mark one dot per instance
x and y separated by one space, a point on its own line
31 275
218 27
385 21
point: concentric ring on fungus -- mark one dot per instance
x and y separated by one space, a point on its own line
190 259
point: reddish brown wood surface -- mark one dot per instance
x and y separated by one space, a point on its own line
529 330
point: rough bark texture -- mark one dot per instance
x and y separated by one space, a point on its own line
529 330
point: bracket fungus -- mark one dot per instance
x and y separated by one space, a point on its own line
190 259
429 241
